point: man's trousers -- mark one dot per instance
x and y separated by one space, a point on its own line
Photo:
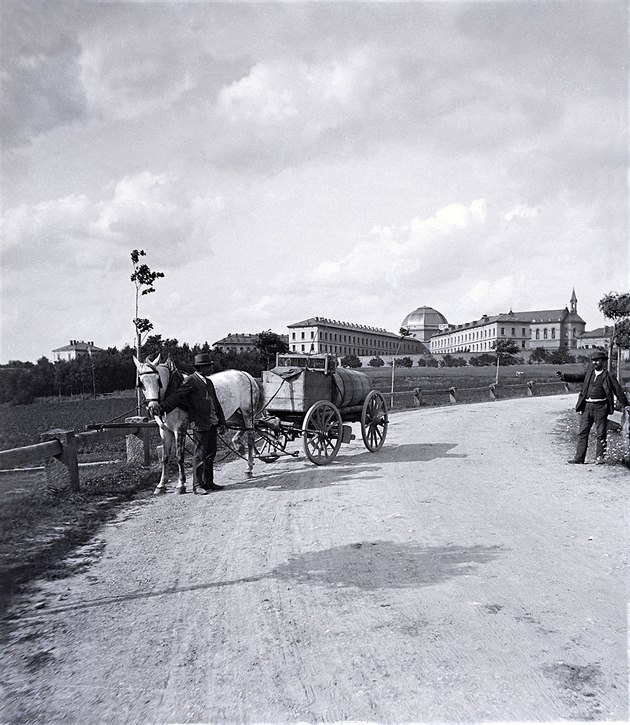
595 414
203 457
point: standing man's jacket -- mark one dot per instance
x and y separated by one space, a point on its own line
197 396
610 383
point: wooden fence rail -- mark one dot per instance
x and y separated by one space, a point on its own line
59 450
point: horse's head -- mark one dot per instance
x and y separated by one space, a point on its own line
152 380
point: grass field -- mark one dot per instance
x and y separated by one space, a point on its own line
21 425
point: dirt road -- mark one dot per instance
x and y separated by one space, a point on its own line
464 573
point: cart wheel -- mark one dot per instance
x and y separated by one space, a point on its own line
374 421
321 431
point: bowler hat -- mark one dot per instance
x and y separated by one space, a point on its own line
599 355
202 359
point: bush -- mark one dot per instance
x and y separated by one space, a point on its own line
376 362
350 361
404 362
561 356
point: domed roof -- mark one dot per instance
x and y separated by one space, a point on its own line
424 317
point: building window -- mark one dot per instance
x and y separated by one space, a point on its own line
503 330
553 333
293 335
545 333
312 334
303 336
513 331
302 348
523 331
538 334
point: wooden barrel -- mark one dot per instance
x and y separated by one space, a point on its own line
350 387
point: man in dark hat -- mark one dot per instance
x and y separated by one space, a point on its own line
197 395
595 403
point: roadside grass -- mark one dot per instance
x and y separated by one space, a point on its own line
39 527
567 431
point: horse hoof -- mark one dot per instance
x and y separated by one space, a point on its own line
180 490
249 474
159 491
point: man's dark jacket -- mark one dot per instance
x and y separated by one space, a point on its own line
197 396
609 382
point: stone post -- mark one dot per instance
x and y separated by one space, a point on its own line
138 443
418 396
530 387
62 471
493 394
452 395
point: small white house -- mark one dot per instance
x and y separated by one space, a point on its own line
76 349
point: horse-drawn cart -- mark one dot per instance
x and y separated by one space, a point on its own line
307 396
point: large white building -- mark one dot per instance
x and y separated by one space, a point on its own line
549 329
321 334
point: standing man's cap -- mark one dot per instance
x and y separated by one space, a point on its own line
599 355
202 359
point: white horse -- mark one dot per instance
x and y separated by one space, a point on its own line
237 392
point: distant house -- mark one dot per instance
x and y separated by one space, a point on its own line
76 349
236 342
599 337
239 342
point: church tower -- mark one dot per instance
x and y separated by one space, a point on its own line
574 302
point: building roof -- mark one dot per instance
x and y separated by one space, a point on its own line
326 322
242 338
551 315
237 338
78 345
424 317
509 317
598 332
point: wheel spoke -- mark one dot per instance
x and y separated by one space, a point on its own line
374 421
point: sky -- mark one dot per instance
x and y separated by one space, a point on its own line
279 161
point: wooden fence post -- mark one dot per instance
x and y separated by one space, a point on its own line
138 443
62 471
452 395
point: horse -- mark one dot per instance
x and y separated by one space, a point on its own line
237 392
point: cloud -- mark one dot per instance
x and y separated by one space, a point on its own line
75 232
39 72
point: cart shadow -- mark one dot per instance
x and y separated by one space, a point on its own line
305 479
408 452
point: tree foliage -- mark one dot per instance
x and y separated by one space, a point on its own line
350 361
539 355
561 356
616 307
376 362
268 345
143 278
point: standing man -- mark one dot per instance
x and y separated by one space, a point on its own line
197 395
595 403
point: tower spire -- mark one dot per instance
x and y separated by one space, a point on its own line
573 302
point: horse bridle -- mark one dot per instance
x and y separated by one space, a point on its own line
152 371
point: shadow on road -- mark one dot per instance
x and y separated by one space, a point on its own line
385 564
409 452
305 478
367 565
